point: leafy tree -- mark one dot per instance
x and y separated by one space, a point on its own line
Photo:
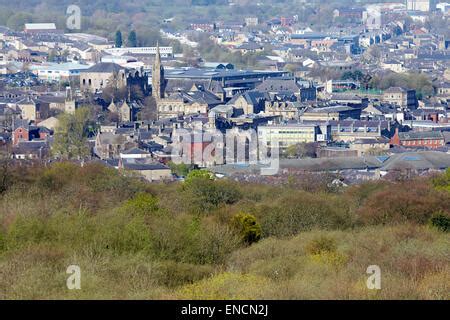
196 175
119 41
132 39
302 150
417 81
70 139
353 75
248 227
17 20
181 170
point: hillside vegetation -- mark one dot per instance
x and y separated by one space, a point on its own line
206 239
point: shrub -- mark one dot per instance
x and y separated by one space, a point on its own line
141 205
181 170
27 230
212 244
441 221
442 182
2 241
192 240
413 201
232 286
204 194
58 175
120 234
198 175
302 211
174 274
333 259
320 245
248 227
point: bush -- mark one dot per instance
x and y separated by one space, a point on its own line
122 234
212 244
173 274
141 205
321 245
58 175
248 227
27 230
204 194
198 175
225 286
441 221
442 182
302 211
412 201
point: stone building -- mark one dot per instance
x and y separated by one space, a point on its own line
107 74
402 97
187 102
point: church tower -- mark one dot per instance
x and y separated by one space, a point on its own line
158 81
70 104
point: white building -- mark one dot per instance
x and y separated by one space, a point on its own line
420 5
165 51
55 72
444 7
40 27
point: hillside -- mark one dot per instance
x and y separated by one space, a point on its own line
205 239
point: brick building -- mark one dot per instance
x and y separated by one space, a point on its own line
428 139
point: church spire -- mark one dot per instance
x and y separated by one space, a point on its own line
158 81
158 53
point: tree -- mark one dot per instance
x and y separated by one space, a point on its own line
149 110
53 56
114 91
181 170
198 175
137 93
302 150
119 39
17 20
132 39
70 139
5 170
